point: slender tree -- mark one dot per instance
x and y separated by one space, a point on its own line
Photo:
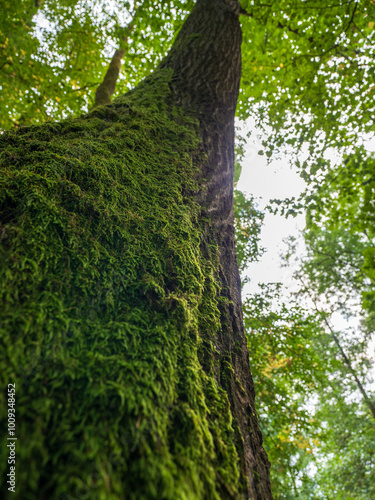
121 305
107 87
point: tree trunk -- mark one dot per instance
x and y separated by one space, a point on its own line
206 63
120 293
106 89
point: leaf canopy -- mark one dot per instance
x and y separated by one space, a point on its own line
307 65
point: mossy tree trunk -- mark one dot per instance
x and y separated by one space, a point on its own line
121 307
206 63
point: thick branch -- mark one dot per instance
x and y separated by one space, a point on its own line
106 89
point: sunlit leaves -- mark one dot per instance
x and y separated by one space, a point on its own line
55 57
308 70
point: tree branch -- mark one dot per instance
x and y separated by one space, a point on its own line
106 89
347 361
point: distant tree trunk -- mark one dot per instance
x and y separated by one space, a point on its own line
106 89
120 289
346 360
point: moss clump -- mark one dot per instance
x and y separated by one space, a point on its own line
108 295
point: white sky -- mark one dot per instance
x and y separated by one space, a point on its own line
265 182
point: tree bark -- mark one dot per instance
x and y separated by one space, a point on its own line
206 63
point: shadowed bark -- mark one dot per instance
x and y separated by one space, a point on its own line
206 60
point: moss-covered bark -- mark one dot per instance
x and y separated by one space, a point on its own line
120 310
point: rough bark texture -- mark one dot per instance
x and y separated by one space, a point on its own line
206 60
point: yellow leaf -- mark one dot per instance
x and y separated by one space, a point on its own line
371 25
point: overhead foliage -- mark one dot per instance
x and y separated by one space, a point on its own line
55 53
308 70
307 66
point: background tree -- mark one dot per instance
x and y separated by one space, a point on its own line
314 402
334 386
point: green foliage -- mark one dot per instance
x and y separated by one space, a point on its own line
308 71
109 301
318 432
336 275
338 267
53 58
340 237
346 468
307 66
248 224
43 61
284 364
322 386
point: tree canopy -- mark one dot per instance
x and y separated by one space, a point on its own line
307 66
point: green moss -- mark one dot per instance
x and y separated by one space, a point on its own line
109 301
